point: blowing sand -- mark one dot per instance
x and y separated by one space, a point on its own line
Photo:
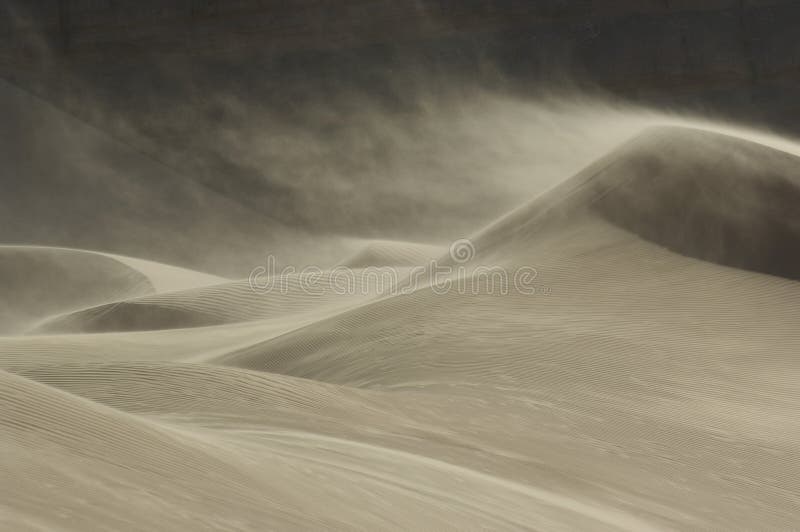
649 383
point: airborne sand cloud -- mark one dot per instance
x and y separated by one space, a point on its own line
648 382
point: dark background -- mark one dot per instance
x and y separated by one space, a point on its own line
731 56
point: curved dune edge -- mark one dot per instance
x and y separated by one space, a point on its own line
167 278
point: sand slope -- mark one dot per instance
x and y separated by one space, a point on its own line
379 253
648 383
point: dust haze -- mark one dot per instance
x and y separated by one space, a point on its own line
643 377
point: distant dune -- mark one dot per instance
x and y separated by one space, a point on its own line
38 282
648 381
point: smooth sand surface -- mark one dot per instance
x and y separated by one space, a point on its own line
649 382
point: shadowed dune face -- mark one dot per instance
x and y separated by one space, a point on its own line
699 193
709 196
647 383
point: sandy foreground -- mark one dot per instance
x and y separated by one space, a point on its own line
649 381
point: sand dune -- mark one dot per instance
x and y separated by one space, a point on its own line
648 382
40 281
701 194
